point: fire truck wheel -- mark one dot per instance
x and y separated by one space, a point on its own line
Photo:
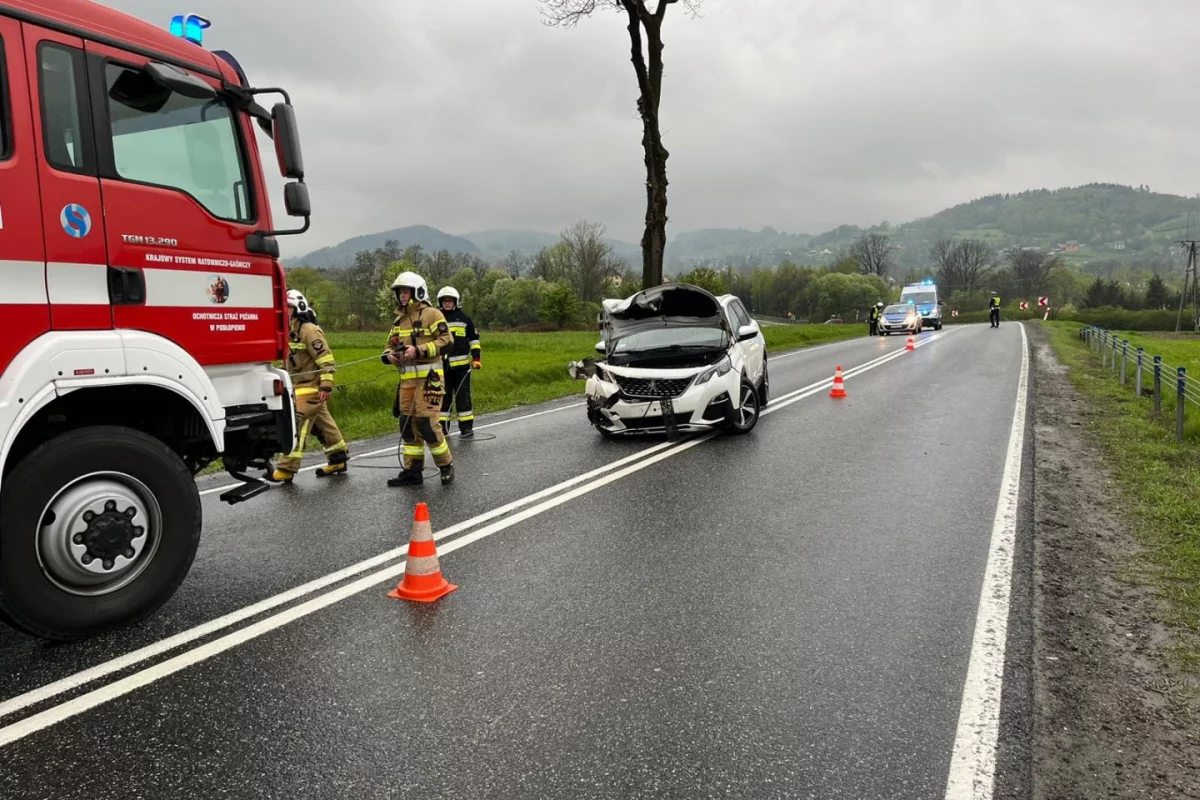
98 527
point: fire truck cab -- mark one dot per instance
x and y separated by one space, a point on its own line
142 305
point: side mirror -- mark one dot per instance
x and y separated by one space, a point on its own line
295 200
941 302
287 142
747 332
600 348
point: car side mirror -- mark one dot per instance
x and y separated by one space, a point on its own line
747 332
600 347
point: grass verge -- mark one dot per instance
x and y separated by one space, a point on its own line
1156 475
519 369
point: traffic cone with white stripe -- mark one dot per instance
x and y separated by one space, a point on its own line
839 387
422 579
910 345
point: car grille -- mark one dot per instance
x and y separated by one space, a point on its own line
653 387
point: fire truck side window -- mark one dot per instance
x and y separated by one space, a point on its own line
60 71
163 138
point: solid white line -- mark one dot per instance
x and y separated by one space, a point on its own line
973 763
383 450
148 652
644 459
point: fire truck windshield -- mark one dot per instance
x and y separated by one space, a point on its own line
165 138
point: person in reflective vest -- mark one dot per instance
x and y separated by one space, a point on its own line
994 310
464 356
311 366
876 312
416 343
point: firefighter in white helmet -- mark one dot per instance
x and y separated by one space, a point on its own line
463 357
311 366
416 343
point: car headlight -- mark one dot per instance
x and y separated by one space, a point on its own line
722 367
603 375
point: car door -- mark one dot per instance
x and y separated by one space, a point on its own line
752 350
71 213
22 247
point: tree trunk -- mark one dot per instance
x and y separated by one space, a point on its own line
654 240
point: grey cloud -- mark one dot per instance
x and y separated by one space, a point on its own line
796 114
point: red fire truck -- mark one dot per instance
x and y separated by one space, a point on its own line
142 306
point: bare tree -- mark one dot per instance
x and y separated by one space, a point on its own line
961 264
943 255
1030 268
873 252
648 67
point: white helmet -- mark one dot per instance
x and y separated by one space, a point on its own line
297 302
449 291
411 280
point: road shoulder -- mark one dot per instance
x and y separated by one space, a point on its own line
1104 722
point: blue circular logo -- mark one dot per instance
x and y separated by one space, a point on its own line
75 220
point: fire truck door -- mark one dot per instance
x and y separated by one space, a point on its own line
23 301
71 210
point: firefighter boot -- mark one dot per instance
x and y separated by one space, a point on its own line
337 465
281 475
447 474
413 476
467 428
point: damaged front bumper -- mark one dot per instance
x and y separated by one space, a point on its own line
699 407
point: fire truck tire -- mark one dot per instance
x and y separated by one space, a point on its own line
74 511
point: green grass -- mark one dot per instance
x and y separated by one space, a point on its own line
519 369
1157 477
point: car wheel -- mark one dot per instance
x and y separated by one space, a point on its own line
126 491
746 417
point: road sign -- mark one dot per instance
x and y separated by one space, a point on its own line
1024 306
954 313
1044 302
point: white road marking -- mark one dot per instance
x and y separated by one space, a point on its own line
148 652
391 449
973 762
103 694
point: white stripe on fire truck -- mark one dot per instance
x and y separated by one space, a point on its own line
177 287
23 282
77 284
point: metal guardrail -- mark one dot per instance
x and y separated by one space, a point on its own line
775 320
1111 349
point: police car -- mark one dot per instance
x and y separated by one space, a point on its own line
900 318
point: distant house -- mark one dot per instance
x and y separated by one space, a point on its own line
1119 245
1071 246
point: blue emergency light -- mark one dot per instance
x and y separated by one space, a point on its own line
190 27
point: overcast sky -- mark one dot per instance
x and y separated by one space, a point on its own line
795 114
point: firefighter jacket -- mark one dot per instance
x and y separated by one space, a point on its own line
994 302
466 338
421 326
310 361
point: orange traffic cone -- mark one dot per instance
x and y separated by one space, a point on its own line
910 346
422 579
839 388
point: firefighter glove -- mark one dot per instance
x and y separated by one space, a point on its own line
477 364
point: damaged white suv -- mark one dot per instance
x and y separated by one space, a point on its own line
676 359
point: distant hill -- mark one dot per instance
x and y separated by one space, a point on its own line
1086 222
429 239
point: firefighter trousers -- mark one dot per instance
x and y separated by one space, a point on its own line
419 402
456 404
313 417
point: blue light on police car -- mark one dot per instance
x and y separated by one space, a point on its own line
190 27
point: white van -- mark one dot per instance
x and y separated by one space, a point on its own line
924 296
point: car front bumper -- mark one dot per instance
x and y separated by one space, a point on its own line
699 407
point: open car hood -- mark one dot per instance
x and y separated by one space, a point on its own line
673 305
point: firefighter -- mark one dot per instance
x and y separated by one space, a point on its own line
416 343
876 311
994 310
311 366
463 357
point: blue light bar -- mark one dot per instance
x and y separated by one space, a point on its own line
190 27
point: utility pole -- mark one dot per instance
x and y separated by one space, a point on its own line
1190 280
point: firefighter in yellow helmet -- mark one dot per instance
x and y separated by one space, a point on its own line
311 365
418 339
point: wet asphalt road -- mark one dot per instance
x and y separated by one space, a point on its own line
786 614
